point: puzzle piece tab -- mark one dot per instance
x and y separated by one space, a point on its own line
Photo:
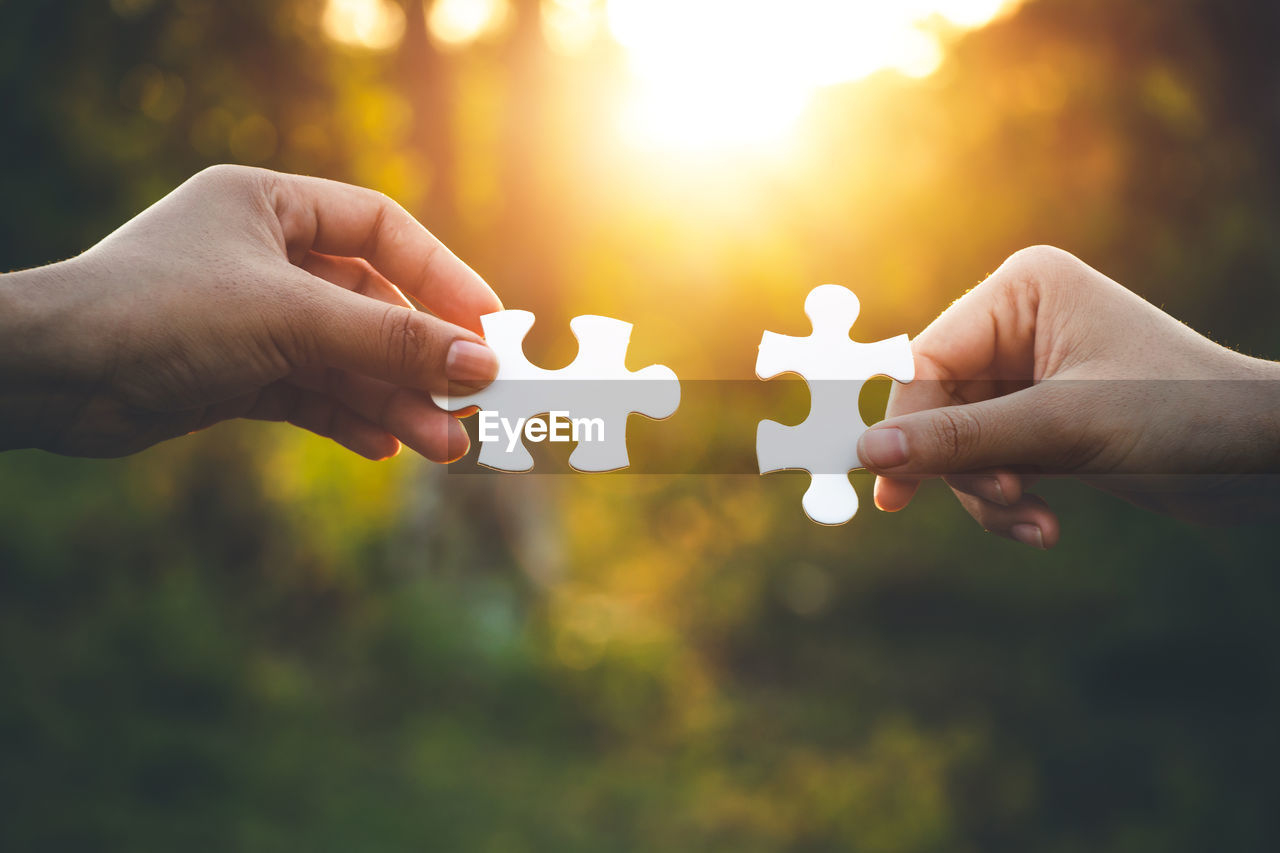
596 387
826 443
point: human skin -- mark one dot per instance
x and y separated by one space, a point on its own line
1050 367
246 293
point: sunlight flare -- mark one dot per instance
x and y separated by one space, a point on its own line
710 74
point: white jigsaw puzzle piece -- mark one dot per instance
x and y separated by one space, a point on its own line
826 443
595 384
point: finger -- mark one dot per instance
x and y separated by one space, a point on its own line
407 414
933 388
356 275
412 417
991 330
392 343
999 486
1023 428
983 345
892 495
927 391
340 219
1029 521
322 415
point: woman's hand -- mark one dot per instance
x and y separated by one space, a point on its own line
246 293
1050 367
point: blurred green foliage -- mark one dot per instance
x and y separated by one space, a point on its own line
248 640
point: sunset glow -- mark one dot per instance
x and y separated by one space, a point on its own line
712 74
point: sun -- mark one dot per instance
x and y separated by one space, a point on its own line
715 74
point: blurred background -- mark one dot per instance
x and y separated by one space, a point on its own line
250 640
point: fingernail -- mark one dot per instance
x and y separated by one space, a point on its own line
1027 534
994 491
470 363
883 448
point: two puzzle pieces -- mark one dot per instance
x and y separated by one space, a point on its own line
597 392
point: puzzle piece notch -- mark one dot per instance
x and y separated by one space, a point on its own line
835 368
596 384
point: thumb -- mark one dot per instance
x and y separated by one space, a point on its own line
396 344
1016 429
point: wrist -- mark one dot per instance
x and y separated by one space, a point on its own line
1270 394
48 369
1257 404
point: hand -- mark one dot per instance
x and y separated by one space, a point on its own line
1051 367
245 293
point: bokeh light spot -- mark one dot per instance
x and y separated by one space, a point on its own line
457 23
370 24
